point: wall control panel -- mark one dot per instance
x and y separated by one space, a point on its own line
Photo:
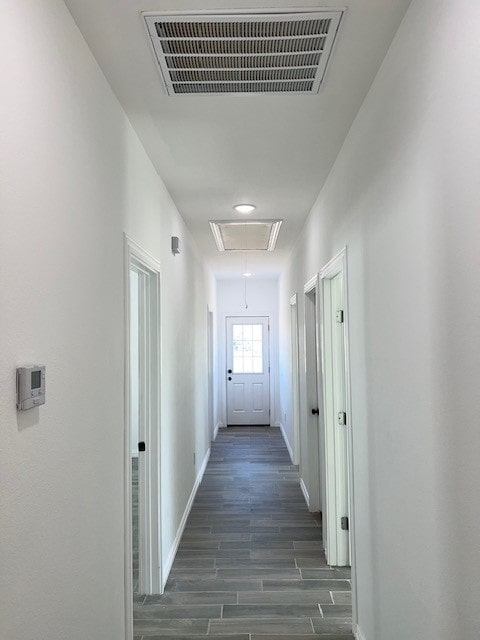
30 387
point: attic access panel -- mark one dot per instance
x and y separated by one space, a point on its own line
254 235
243 54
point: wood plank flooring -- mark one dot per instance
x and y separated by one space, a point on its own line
250 565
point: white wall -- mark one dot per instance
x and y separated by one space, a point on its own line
262 298
73 178
404 197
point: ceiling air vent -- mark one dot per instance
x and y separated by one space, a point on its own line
243 54
254 235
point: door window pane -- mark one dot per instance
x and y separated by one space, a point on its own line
257 332
247 348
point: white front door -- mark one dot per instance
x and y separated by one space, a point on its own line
248 371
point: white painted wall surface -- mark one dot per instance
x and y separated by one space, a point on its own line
73 178
262 297
404 196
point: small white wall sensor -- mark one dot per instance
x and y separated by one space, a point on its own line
30 387
175 245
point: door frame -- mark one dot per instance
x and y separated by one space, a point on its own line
210 373
314 427
339 264
295 363
151 535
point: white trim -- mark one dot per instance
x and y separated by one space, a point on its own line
215 226
305 492
183 521
335 439
314 427
340 263
254 11
311 284
295 378
133 252
358 633
287 443
134 249
215 431
210 373
274 235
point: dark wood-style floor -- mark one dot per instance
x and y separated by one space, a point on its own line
250 565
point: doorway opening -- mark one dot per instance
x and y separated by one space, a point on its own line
248 370
143 566
295 381
211 420
313 400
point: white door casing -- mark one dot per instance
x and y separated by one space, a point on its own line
248 370
313 398
147 308
337 415
210 364
295 379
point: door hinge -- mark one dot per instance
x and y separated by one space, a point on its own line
339 316
344 523
342 418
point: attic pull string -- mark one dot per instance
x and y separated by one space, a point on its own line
246 265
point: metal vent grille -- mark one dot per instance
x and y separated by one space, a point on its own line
243 54
251 235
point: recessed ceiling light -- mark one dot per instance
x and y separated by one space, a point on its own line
244 208
247 274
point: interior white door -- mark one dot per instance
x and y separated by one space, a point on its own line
248 371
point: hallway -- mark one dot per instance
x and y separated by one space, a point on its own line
250 565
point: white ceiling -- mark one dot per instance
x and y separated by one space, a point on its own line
215 151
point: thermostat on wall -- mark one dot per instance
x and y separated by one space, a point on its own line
30 387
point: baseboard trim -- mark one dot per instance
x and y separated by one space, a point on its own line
287 443
215 431
305 492
183 522
358 633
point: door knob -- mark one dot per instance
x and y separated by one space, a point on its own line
229 371
141 446
315 412
229 377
